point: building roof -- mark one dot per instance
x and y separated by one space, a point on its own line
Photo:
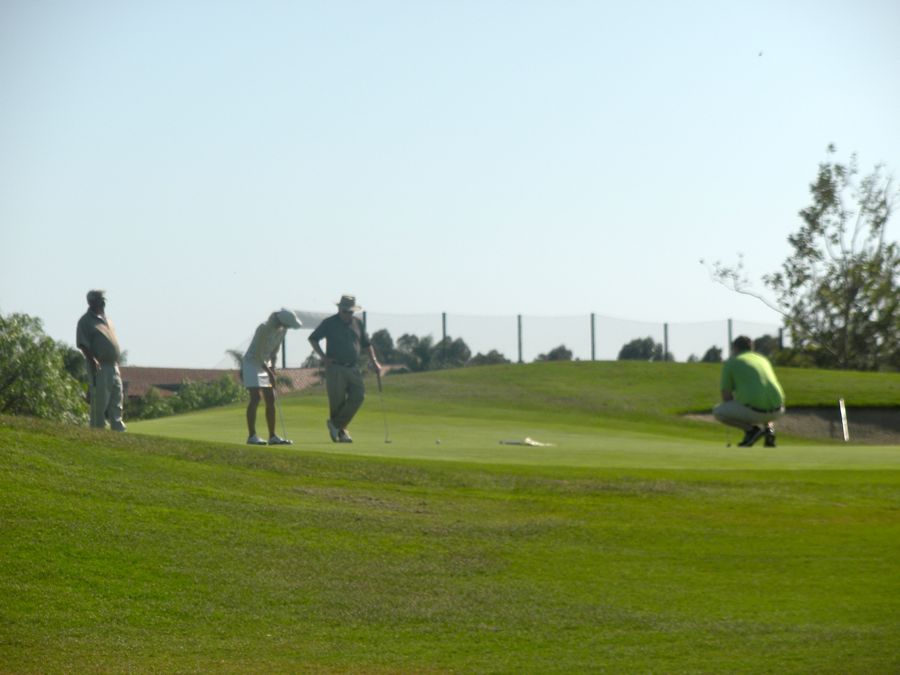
137 380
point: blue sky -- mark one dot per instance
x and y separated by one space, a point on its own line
209 162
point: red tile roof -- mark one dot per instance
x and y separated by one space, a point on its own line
137 380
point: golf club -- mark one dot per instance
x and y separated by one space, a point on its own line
387 434
281 415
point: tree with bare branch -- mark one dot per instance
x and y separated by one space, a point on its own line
838 289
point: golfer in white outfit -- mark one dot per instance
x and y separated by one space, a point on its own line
258 372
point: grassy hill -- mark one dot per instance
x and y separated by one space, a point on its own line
637 543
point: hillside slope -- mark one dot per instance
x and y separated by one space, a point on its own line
130 553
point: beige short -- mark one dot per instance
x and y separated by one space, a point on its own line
736 414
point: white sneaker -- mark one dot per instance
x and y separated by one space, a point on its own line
255 440
278 440
333 431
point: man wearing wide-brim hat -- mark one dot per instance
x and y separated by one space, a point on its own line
345 338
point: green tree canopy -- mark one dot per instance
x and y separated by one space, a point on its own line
33 376
423 353
766 345
414 352
712 355
560 353
493 357
838 288
643 349
384 346
450 353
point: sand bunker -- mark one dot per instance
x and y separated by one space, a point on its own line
880 426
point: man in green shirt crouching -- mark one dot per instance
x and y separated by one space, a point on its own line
752 398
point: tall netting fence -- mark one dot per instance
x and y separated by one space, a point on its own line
524 338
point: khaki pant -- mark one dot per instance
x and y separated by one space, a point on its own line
106 398
736 414
346 392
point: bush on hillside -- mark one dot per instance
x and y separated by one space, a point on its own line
34 380
190 396
149 406
200 395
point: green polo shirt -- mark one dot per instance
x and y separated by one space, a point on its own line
752 380
97 334
343 341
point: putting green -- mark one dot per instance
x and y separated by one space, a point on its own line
591 414
453 438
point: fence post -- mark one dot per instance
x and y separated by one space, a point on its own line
283 353
665 342
593 339
780 338
444 325
730 339
519 318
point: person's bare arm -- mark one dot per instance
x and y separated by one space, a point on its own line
92 362
318 350
374 360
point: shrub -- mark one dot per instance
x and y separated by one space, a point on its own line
33 376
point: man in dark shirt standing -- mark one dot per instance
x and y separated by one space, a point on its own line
345 337
96 338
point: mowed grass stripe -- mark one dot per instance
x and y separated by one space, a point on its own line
150 554
146 554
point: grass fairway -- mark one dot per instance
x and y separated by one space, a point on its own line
637 543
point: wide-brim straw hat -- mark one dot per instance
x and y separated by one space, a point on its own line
348 302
